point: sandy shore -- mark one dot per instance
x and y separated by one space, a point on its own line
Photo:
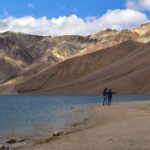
123 126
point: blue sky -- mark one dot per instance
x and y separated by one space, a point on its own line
55 8
29 14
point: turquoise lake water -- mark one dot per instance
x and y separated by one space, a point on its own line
36 114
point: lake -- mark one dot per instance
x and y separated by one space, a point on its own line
33 115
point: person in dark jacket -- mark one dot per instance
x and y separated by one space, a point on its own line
110 93
105 97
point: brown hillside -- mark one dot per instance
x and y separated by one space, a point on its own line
129 75
68 64
76 68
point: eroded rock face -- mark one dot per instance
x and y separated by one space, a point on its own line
20 51
143 29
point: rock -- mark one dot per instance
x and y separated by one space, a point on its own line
57 133
21 140
86 119
71 107
110 139
2 146
7 148
131 145
74 124
11 141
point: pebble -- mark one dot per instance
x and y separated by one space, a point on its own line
57 133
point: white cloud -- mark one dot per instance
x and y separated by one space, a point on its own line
120 19
115 19
138 4
30 5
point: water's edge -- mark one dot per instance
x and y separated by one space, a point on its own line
36 116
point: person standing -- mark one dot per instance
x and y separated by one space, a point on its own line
105 97
110 97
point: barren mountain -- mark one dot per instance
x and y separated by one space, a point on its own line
108 38
78 67
18 51
143 29
144 32
75 64
131 74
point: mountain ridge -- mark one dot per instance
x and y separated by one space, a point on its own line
29 56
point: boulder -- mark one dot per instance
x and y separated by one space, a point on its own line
11 141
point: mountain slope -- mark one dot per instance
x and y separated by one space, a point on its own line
46 51
9 67
108 38
78 67
31 50
129 75
47 65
